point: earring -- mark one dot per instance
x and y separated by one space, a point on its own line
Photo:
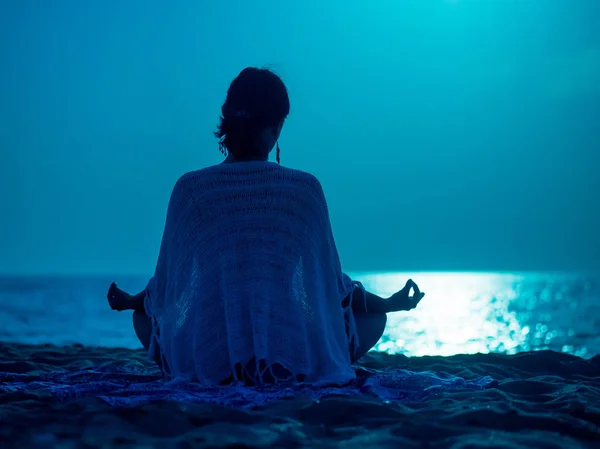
278 152
223 149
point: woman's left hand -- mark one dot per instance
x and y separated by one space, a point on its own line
402 301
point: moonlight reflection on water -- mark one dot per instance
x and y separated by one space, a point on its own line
461 312
466 313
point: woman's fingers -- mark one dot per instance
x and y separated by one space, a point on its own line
410 284
419 298
417 294
416 290
111 291
115 297
409 302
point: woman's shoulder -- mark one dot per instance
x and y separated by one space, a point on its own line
209 183
267 171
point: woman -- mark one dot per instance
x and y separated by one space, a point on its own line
248 286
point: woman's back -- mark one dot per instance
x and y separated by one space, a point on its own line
248 272
248 285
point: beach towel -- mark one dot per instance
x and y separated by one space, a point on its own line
123 384
248 286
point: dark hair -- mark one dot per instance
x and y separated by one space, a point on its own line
256 99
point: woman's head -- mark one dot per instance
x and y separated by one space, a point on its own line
256 106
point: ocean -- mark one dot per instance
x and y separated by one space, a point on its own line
462 313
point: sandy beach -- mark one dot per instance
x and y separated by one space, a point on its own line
538 399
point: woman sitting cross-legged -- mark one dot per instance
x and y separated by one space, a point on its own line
248 286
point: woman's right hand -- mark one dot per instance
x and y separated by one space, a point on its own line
402 301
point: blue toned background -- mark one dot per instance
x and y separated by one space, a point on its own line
450 136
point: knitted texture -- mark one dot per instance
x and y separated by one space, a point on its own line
248 285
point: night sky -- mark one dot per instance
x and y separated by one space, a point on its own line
448 135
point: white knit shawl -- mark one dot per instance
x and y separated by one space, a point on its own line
248 272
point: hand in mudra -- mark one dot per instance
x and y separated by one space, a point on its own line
118 299
402 301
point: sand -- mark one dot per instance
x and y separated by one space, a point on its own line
541 399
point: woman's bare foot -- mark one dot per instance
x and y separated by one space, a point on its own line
118 299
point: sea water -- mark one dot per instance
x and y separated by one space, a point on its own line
462 313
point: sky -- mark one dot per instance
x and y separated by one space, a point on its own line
448 135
